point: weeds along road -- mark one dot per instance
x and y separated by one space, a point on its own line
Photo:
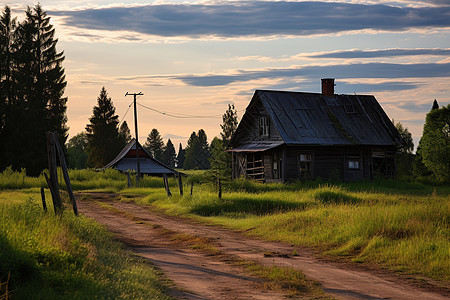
214 271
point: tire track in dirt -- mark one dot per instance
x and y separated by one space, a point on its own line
341 280
196 275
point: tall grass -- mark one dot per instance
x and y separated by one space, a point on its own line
65 257
87 179
397 224
399 231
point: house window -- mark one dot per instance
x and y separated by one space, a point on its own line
263 126
353 163
305 165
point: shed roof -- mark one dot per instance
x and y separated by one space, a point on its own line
314 119
126 160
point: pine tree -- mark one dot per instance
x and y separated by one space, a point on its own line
435 143
435 105
181 156
7 110
229 124
34 86
203 155
169 156
219 161
155 144
124 134
192 150
102 132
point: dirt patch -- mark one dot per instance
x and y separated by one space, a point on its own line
203 276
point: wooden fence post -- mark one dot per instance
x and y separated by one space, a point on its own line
44 205
52 192
62 162
166 185
180 184
52 168
192 187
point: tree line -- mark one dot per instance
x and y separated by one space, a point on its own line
103 139
32 84
431 162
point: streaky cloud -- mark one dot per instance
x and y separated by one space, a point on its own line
382 53
360 70
256 18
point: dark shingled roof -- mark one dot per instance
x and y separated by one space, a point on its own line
126 161
314 119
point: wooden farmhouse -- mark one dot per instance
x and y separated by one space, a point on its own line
126 161
293 135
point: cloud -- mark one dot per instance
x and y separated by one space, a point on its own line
415 107
174 137
360 70
255 18
381 53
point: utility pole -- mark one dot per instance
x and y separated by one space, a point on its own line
138 175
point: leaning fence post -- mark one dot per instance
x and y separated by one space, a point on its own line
52 192
44 205
53 182
220 188
62 162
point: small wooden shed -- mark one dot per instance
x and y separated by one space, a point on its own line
294 135
126 161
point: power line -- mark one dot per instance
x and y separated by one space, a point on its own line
179 115
128 109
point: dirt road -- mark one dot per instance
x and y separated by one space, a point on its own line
201 276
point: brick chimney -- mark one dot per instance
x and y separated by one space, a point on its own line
328 87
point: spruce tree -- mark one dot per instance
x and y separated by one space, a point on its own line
203 160
229 124
124 134
181 156
102 132
155 144
193 148
169 156
34 87
219 161
7 111
435 143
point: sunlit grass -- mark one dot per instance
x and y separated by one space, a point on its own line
403 232
396 224
56 257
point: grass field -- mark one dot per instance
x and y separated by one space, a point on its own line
388 223
399 225
66 257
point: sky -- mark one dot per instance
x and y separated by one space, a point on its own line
190 59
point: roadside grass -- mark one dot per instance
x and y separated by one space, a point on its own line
67 257
405 232
393 224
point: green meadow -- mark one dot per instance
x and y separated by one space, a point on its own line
387 224
66 257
